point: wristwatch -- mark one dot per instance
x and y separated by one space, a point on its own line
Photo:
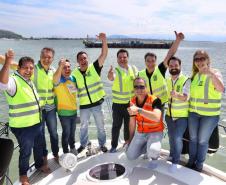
139 110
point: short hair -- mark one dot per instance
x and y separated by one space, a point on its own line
174 58
47 49
66 60
140 78
80 53
123 51
24 60
149 54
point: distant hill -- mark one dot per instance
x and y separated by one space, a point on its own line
9 35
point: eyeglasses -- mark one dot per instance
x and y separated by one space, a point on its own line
139 87
199 59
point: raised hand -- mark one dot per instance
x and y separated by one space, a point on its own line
179 36
9 57
102 37
62 63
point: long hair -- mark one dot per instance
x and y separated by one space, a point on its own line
195 70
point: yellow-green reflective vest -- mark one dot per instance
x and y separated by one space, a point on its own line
122 88
44 84
90 86
158 84
177 108
204 99
24 110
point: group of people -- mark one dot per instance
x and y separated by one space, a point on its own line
36 92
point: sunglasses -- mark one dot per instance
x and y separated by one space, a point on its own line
139 87
199 59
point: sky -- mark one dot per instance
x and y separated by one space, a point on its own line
197 19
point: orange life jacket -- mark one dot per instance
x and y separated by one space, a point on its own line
146 125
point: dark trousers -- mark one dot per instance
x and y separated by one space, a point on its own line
49 118
68 124
28 138
120 115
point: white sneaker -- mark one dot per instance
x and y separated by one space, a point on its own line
173 168
74 151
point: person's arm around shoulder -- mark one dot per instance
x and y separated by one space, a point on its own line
111 75
104 51
57 74
174 47
4 73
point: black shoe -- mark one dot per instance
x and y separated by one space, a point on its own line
104 149
191 166
80 149
197 169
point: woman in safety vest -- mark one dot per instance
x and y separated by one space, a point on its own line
204 109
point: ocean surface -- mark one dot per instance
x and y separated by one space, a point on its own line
69 48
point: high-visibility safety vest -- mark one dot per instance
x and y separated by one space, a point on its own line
122 88
157 83
204 99
146 125
44 84
90 86
24 109
66 98
176 107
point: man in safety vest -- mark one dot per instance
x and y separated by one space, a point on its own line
145 112
122 92
91 94
155 75
43 80
24 113
178 86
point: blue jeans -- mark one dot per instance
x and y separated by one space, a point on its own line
28 138
49 117
99 121
68 124
200 130
141 143
176 129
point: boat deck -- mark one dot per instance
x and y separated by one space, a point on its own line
136 172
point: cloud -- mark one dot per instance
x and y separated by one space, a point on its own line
78 18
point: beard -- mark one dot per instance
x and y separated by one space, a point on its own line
174 71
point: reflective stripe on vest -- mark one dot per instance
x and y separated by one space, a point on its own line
122 89
158 84
177 108
146 125
90 87
204 99
44 84
24 110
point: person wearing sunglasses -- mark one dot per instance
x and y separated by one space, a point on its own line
178 86
204 110
145 112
